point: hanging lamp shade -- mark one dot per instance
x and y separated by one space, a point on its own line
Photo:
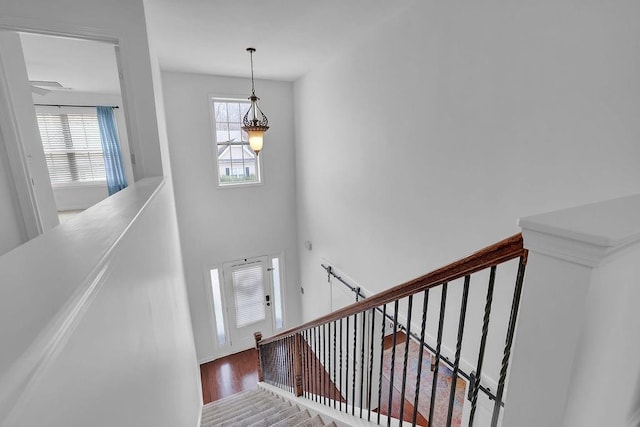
254 122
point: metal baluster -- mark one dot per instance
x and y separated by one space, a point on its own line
362 316
335 389
483 341
384 326
292 349
293 363
326 372
406 358
456 364
425 306
261 359
308 363
313 365
273 361
393 360
303 354
262 354
340 382
515 304
373 327
276 373
309 366
289 363
266 362
329 368
318 367
276 370
324 363
285 358
277 360
355 348
346 365
434 384
283 364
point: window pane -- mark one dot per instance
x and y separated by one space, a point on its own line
217 306
235 134
234 112
244 107
236 161
220 111
277 292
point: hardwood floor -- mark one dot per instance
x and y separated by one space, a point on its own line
229 375
396 401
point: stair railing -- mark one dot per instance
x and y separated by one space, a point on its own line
338 359
469 376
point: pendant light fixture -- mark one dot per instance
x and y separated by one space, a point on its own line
255 123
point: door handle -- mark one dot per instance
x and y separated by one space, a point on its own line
268 300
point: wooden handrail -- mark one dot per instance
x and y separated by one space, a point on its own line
497 253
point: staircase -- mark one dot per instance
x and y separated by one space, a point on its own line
257 408
342 360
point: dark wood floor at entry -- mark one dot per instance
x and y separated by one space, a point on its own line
229 375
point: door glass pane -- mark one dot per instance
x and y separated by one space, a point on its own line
248 290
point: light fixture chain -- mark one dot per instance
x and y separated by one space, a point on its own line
253 89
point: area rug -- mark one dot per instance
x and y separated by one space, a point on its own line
443 388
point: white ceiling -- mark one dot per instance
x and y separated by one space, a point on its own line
290 36
211 37
81 65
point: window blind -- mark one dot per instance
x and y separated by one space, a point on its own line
249 295
72 146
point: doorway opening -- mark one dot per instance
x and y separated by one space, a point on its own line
69 79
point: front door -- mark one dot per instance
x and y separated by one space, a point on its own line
249 301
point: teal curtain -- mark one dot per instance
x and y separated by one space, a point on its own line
114 168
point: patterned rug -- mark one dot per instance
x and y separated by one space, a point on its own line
443 388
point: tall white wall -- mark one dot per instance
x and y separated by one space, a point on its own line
225 224
432 136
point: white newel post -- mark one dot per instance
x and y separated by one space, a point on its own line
576 355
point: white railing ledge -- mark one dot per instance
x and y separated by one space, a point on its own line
585 234
45 281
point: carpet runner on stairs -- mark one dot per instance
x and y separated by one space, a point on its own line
257 408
